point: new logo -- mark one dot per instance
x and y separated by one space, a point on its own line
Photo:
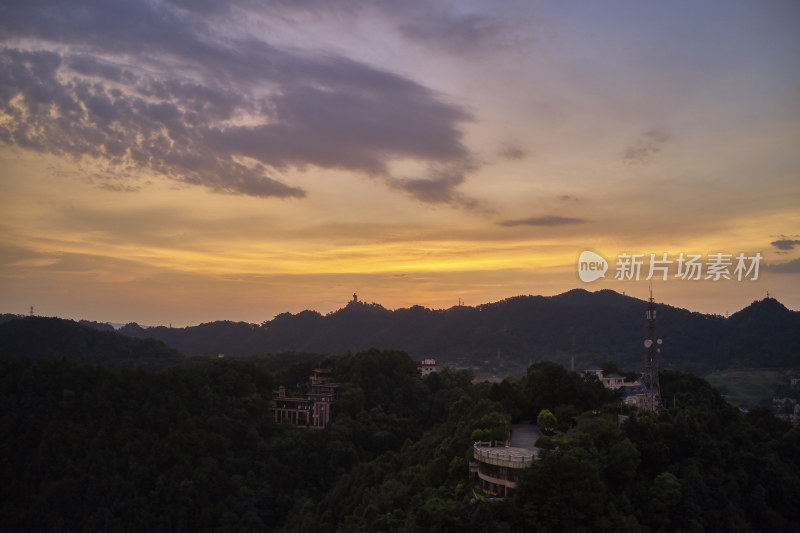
591 266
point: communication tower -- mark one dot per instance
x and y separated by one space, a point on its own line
653 346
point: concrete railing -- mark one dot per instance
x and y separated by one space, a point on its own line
515 457
498 481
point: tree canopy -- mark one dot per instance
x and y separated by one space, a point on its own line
193 448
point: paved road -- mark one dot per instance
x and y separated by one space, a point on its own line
524 435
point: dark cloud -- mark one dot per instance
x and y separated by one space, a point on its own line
790 267
646 146
543 221
438 187
785 244
152 86
339 129
513 152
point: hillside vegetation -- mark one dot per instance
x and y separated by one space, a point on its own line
38 338
192 448
503 338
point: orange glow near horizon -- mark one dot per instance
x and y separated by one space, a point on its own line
414 171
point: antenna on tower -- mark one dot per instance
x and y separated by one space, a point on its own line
652 356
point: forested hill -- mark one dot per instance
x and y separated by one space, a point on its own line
38 338
92 448
506 336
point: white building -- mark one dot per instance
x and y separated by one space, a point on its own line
426 366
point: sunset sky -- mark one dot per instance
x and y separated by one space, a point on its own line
186 161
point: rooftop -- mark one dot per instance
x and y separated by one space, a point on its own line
503 455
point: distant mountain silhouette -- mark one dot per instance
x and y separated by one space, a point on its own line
765 332
37 338
506 336
102 326
5 317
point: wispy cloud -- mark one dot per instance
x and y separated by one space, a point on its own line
457 33
643 149
513 152
155 87
548 221
457 29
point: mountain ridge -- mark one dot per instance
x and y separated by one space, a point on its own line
576 327
40 338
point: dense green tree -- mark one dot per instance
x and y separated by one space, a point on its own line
564 491
665 493
193 448
547 421
40 338
549 384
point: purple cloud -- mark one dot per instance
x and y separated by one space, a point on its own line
154 87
